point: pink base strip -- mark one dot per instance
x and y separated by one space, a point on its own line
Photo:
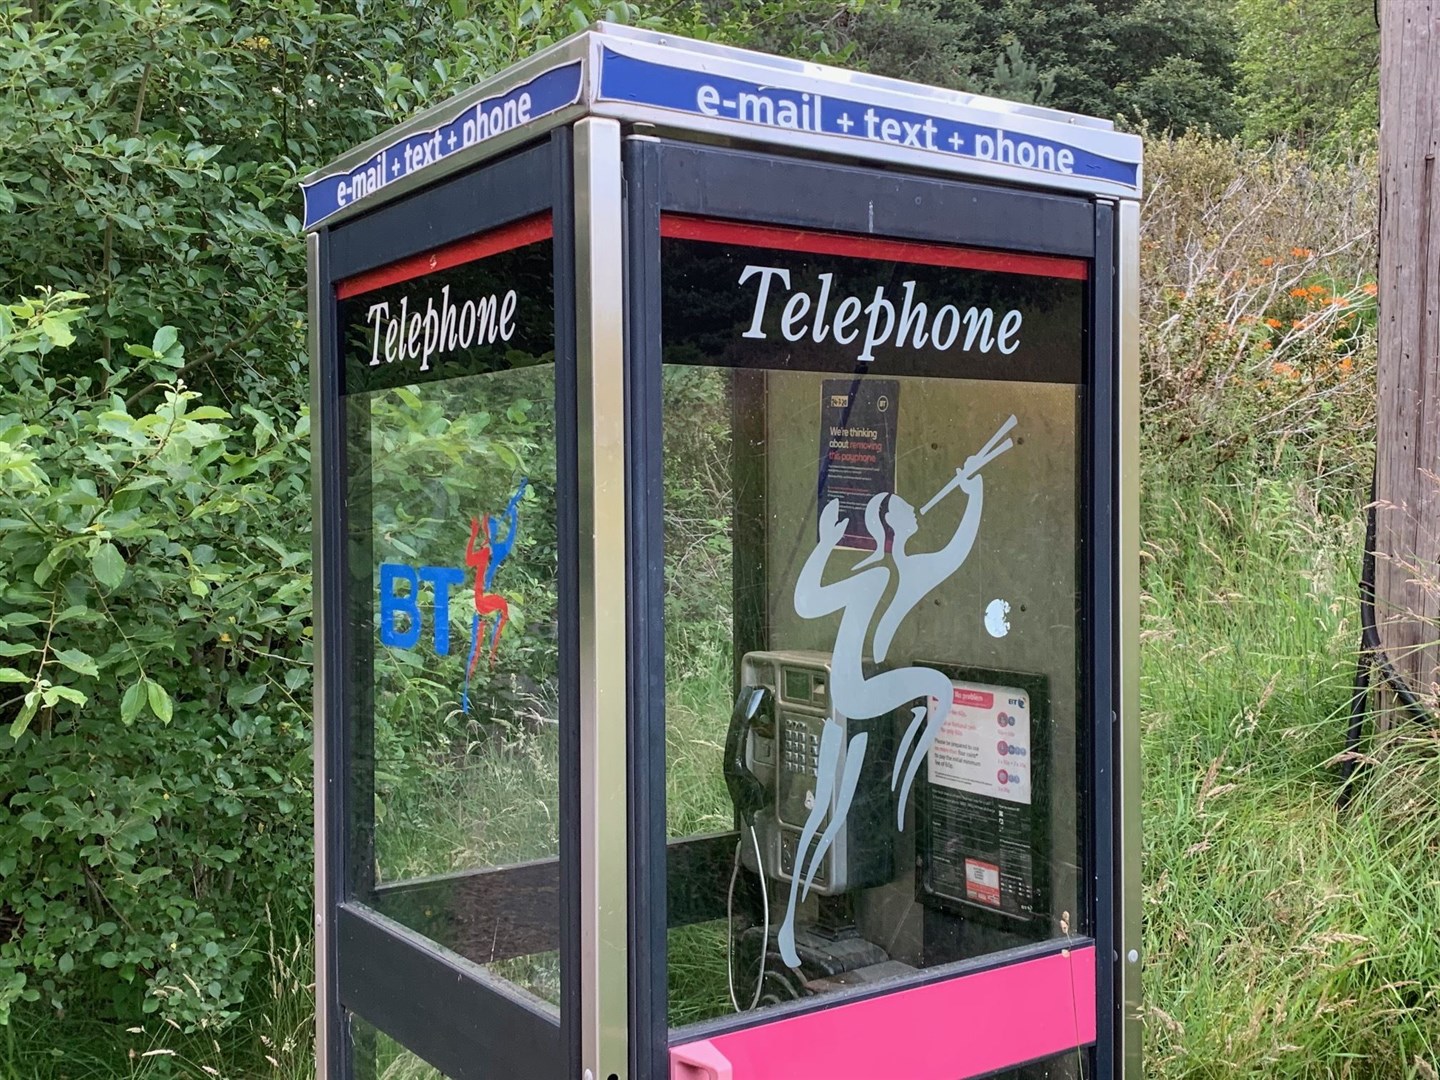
962 1027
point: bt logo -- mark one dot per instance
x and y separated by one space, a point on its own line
485 559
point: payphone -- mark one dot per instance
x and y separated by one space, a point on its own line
781 745
781 723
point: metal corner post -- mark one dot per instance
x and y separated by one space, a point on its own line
1129 942
600 401
325 1018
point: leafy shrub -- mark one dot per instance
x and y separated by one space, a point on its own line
154 608
1257 318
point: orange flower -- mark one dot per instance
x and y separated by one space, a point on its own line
1316 290
1347 364
1297 324
1274 324
1280 368
1298 294
1268 260
1267 344
1301 253
1339 301
1370 288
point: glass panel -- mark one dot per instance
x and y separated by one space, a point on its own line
452 636
379 1057
872 595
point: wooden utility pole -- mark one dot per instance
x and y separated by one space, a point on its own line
1407 479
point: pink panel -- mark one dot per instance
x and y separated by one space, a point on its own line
949 1030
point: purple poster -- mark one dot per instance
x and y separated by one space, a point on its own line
857 449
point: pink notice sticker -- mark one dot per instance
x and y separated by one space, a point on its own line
953 1030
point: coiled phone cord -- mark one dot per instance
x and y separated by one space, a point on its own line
730 924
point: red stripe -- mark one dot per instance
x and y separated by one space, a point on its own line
506 238
683 227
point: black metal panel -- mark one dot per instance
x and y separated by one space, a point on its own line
1102 706
466 1023
567 529
484 915
784 191
496 193
512 911
645 610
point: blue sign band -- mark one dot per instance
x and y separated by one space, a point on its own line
642 82
548 92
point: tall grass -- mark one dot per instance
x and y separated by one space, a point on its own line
1283 939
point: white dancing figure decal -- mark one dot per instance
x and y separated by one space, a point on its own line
857 598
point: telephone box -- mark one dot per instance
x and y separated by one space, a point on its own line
726 552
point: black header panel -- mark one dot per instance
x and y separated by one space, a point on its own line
755 296
483 304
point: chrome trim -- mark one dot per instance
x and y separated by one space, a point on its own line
1127 766
317 727
600 412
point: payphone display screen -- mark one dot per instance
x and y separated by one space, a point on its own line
872 485
451 651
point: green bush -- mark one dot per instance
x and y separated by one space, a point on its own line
154 616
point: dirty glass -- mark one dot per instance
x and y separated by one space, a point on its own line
872 468
452 651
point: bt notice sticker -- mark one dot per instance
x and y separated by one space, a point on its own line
984 744
982 882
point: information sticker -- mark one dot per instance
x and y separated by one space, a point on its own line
984 744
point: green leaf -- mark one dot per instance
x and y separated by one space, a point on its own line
160 703
66 693
67 964
165 339
133 701
108 565
9 648
26 714
82 663
10 674
57 330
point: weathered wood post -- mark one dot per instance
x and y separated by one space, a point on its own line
1407 586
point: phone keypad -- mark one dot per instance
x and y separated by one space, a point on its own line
802 750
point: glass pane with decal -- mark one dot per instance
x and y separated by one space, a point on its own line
872 525
451 647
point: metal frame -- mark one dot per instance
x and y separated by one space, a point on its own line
600 377
430 997
649 876
1097 503
665 176
331 1049
1129 938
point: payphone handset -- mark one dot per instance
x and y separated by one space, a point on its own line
772 758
